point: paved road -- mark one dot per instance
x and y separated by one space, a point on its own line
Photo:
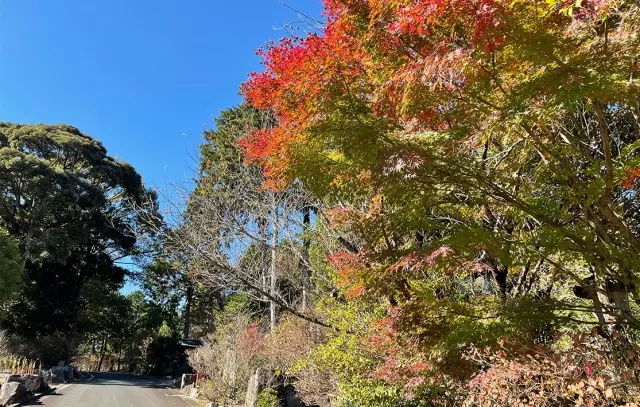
114 390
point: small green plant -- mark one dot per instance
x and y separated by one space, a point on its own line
268 398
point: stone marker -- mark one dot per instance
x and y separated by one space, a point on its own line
253 388
187 379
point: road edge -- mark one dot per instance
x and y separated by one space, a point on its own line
47 392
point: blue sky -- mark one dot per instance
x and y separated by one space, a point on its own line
136 75
144 77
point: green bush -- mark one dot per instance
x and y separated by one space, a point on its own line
268 398
210 389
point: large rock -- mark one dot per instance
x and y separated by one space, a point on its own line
33 383
12 392
36 384
57 376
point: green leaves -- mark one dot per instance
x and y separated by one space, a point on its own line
10 268
71 208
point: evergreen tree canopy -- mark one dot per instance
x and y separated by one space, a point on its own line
71 206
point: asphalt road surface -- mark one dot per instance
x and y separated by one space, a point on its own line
114 390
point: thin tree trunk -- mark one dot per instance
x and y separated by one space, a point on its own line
500 277
103 351
128 356
211 320
272 274
522 279
187 312
599 299
306 267
499 274
264 274
119 354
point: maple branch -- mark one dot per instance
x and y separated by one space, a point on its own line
606 147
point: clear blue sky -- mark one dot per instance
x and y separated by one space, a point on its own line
135 74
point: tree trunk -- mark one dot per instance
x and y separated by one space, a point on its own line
264 274
522 279
211 321
306 267
103 351
128 356
500 277
619 298
272 273
187 312
592 288
119 354
499 274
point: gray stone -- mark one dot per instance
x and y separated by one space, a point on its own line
14 378
57 376
35 384
12 392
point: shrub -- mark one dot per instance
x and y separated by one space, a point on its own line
228 358
344 363
580 369
209 389
268 398
286 350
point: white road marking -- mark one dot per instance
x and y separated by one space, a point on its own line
179 395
